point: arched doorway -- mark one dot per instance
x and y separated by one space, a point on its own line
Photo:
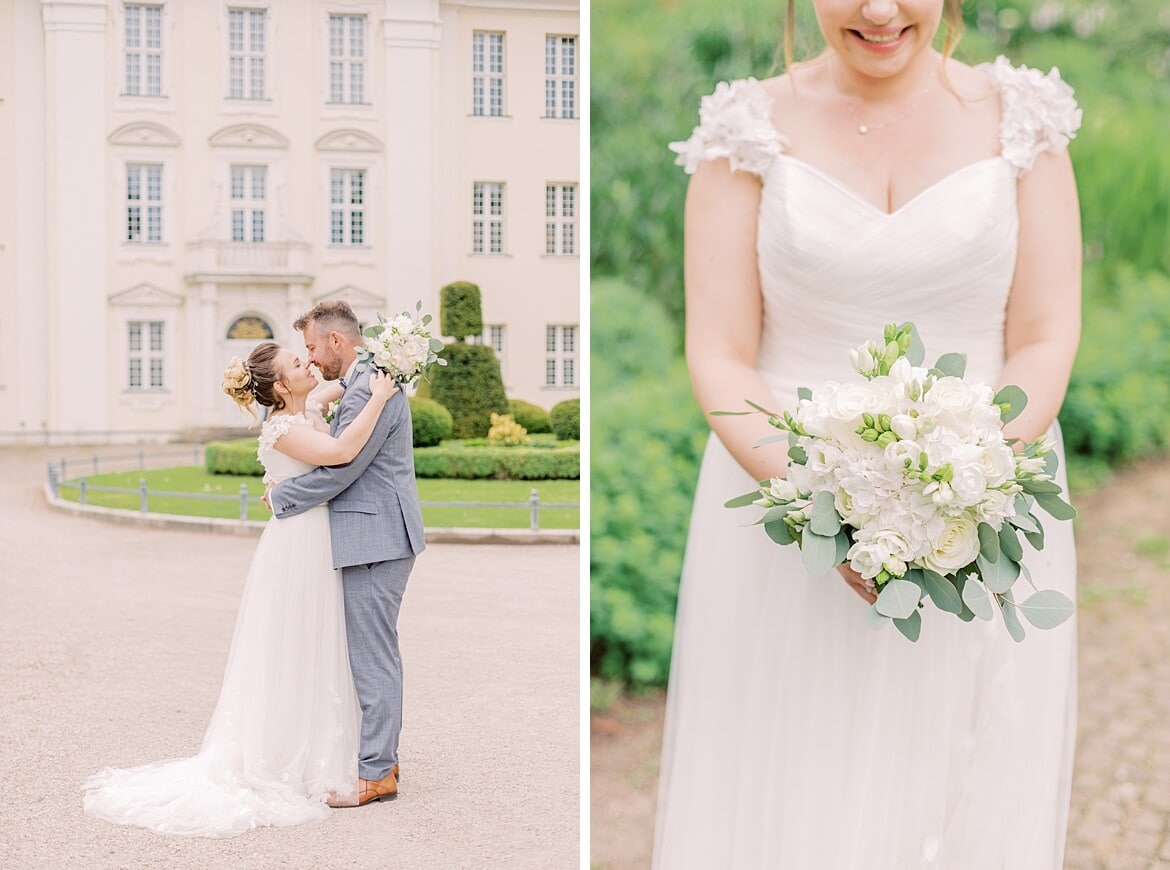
243 333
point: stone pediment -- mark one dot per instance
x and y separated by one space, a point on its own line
248 136
144 133
349 140
355 296
146 295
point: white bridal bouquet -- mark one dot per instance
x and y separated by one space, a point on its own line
401 346
908 478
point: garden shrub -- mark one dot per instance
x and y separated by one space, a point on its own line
503 463
506 432
565 420
470 387
232 457
460 310
644 458
532 417
430 422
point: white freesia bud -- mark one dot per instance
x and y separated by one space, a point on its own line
904 426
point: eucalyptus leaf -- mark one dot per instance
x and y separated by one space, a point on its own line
1010 618
952 365
1056 506
911 626
435 345
999 575
825 519
843 545
371 331
1009 543
1016 398
779 532
796 454
1047 609
1036 538
730 413
975 597
742 500
1035 487
803 393
761 408
1024 520
771 439
898 599
988 543
818 552
875 620
917 352
773 514
944 595
1051 463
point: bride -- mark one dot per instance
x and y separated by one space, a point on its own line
882 181
284 734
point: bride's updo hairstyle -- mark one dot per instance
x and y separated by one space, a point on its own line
253 381
952 21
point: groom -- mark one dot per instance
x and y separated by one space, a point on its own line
377 531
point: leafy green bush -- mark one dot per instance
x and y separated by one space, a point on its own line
1118 402
644 459
430 422
232 457
470 387
460 310
565 420
532 417
504 463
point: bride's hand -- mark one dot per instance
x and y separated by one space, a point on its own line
856 583
382 386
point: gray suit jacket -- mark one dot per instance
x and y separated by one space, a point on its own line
374 513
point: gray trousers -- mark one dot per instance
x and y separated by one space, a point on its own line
373 596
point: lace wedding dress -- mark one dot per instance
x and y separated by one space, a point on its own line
797 737
285 730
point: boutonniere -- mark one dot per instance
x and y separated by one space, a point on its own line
332 410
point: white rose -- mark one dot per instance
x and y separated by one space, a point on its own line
899 452
865 560
956 547
823 457
969 484
999 464
781 490
904 427
996 507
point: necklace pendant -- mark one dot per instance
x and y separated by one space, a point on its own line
862 129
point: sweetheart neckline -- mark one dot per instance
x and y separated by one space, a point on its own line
836 184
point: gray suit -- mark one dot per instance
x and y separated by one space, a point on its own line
376 528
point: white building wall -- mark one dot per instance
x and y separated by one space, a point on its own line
71 283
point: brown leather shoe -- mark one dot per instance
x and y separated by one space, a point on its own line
369 791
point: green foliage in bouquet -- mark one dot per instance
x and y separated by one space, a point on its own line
532 417
470 387
460 310
643 465
237 456
565 420
430 422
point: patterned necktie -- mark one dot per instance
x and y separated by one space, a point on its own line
343 383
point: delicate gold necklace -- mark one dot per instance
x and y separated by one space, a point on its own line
863 128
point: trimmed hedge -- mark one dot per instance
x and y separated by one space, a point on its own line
565 420
532 417
504 463
470 387
232 457
430 422
460 310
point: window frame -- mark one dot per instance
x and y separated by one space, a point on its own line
347 58
560 356
559 84
488 230
483 99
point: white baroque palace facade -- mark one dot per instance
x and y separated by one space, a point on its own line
183 177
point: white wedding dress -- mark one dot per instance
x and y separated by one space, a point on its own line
798 738
285 731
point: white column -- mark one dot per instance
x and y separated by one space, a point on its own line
76 209
410 36
205 346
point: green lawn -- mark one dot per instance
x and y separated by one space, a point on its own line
194 479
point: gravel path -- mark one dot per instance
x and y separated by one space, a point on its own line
112 645
1120 817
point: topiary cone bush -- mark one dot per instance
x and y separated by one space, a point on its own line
532 417
565 420
460 310
470 387
430 421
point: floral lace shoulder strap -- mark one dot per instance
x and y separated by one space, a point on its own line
1039 112
275 428
734 122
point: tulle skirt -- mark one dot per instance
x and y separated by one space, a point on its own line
797 737
285 730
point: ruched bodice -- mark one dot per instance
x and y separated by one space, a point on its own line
944 260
